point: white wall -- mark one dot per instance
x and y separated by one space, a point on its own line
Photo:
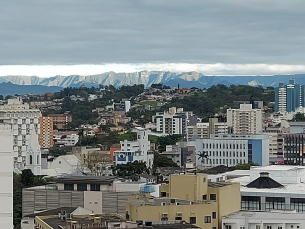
6 176
93 201
129 187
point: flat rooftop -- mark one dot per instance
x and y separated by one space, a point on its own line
157 201
277 168
258 215
297 188
85 179
55 221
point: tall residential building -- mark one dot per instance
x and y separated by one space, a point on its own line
26 128
289 97
61 121
204 130
46 132
245 120
6 175
233 149
138 150
173 121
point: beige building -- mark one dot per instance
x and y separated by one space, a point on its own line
205 129
187 197
245 120
46 132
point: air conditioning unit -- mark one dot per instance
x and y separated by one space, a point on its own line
179 214
164 215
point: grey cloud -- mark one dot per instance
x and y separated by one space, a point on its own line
152 31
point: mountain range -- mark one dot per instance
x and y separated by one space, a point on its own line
185 79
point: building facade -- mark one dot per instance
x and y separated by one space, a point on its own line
46 132
233 149
262 220
174 121
245 120
274 187
61 121
6 172
204 130
187 197
26 129
288 98
138 150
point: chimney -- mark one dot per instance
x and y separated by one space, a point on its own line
264 174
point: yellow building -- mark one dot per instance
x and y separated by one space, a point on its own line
188 197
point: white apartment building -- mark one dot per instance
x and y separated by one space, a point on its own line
205 129
264 220
66 138
26 129
6 174
245 120
138 150
233 149
281 94
273 187
173 121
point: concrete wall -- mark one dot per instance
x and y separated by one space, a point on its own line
6 176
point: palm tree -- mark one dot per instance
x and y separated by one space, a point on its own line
203 155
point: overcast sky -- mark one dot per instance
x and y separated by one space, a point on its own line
213 37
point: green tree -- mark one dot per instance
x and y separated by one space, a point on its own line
131 169
27 178
299 117
246 166
162 161
168 140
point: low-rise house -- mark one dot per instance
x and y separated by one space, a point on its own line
69 164
66 138
28 221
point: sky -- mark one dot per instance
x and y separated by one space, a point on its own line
223 37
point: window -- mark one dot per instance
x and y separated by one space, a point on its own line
242 227
269 227
31 159
163 194
95 187
250 203
213 227
207 219
178 218
297 204
68 186
204 197
81 187
214 215
275 203
192 220
228 227
257 227
212 196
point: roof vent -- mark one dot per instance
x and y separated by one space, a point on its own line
264 174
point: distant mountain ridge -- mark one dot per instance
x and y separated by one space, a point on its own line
13 89
186 79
